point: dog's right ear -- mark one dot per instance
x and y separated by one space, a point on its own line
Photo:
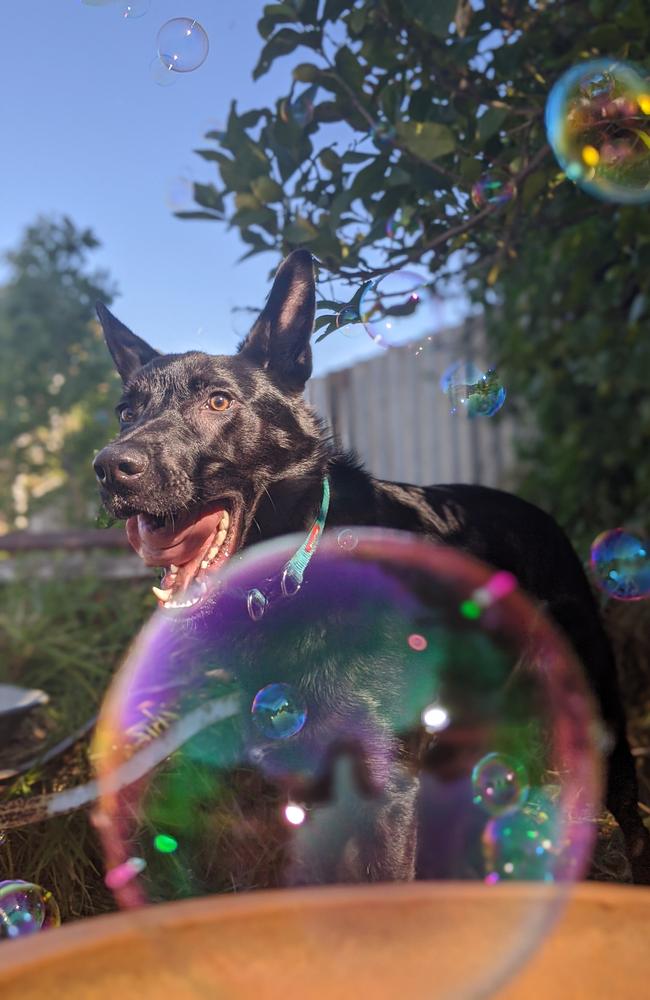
279 339
128 352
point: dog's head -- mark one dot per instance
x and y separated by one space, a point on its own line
203 438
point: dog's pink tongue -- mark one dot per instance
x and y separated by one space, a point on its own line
164 546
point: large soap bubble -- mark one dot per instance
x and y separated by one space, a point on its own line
404 714
396 308
598 125
25 909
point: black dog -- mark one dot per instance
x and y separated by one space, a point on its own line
217 453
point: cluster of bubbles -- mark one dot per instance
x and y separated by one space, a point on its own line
25 909
393 309
182 43
303 746
598 125
620 565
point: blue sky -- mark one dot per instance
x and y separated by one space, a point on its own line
85 131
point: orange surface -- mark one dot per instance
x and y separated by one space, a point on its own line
368 942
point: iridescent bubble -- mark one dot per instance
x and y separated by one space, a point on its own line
134 9
529 844
620 564
347 539
26 908
205 736
346 316
492 190
183 44
396 308
598 125
299 111
383 134
472 390
161 73
279 711
500 783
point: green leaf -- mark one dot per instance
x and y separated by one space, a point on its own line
330 160
349 68
434 15
283 42
428 140
208 196
267 190
489 123
211 216
299 231
306 73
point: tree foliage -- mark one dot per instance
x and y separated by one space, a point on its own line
56 381
393 109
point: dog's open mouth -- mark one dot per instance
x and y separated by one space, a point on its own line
189 546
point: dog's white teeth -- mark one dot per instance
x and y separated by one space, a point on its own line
162 595
205 563
225 520
214 551
173 569
221 535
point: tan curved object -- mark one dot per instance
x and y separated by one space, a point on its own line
324 944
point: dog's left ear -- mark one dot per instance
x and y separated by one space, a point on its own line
279 339
129 353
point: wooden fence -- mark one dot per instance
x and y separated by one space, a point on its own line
394 415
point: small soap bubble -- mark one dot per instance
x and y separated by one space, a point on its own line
162 74
347 316
396 308
279 711
598 125
347 539
620 564
492 190
183 44
472 390
526 845
500 783
299 111
383 134
135 9
26 908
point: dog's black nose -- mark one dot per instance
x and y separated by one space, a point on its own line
116 464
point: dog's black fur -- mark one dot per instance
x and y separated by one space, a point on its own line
267 453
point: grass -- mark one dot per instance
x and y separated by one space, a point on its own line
68 637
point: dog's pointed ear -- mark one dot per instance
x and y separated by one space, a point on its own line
279 339
128 352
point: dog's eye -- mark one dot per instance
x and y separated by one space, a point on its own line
125 415
219 402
